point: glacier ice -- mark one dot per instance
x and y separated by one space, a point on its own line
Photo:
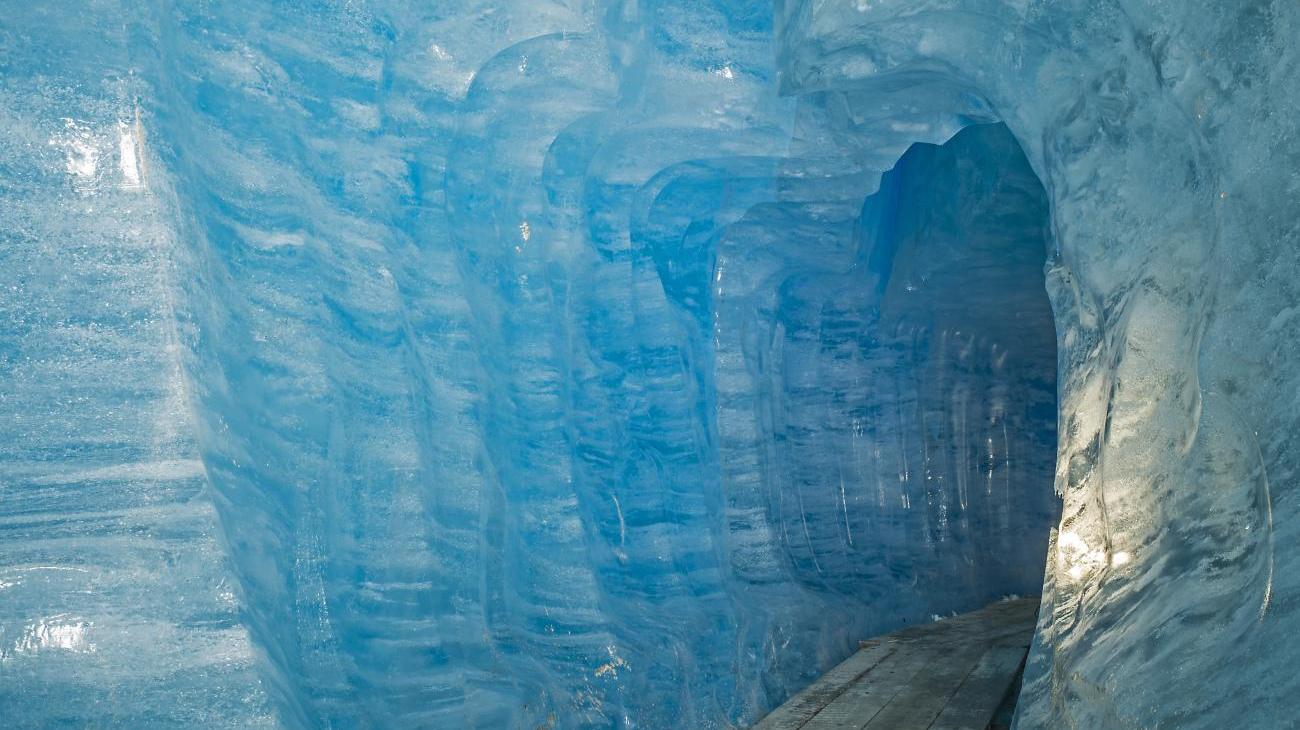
593 363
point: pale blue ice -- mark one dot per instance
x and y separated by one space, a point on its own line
622 363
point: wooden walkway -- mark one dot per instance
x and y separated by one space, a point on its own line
945 675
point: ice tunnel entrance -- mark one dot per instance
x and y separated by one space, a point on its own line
896 396
964 355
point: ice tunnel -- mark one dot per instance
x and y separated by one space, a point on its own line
623 363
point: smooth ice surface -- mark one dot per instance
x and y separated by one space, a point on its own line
560 363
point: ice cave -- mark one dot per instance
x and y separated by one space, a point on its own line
626 363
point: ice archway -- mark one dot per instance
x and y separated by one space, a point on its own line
453 364
1165 567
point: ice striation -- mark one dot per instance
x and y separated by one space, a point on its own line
621 363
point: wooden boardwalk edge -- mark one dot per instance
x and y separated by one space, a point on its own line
951 674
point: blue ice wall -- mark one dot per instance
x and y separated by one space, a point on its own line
569 363
531 382
368 368
119 605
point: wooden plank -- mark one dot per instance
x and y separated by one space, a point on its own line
870 694
798 709
916 707
979 697
1005 620
946 675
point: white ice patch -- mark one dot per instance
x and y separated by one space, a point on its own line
139 471
59 632
356 114
129 158
82 149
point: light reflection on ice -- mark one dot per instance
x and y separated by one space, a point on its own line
128 158
1077 559
81 149
61 631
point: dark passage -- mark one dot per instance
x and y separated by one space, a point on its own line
939 350
913 395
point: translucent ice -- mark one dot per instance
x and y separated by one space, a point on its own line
565 363
1165 134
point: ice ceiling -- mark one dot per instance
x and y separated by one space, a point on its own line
530 363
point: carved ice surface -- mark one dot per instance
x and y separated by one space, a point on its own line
570 363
